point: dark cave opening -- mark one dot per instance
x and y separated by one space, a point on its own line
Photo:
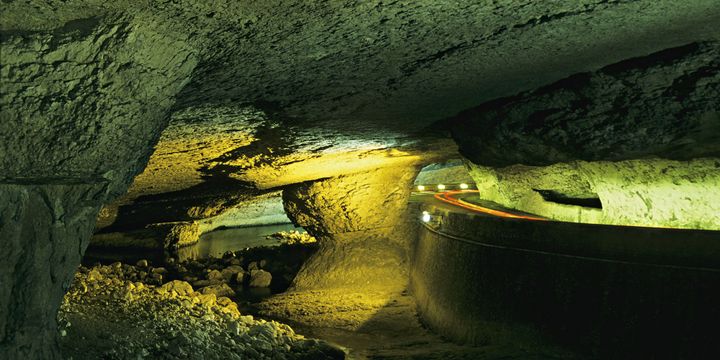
560 198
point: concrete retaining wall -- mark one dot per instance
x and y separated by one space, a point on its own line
606 292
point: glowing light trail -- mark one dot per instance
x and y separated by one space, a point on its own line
447 197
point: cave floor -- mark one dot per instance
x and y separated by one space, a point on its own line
109 319
104 316
104 319
377 325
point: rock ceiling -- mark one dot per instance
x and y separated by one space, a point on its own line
273 93
366 66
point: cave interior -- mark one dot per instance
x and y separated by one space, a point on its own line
507 179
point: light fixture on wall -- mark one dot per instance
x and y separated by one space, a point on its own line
464 186
441 187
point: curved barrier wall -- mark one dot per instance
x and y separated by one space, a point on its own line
604 291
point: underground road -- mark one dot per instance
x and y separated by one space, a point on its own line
617 297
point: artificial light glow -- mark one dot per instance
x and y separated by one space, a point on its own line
449 198
464 186
425 217
441 187
421 188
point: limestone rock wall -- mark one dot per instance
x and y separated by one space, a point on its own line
450 172
44 230
89 99
653 192
360 222
185 181
265 209
665 104
80 108
366 65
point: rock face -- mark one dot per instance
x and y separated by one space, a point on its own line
450 172
88 86
390 65
44 229
358 220
653 192
260 278
65 99
184 179
665 104
70 140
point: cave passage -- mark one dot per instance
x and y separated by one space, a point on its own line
296 180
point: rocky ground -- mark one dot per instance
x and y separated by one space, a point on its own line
198 309
185 310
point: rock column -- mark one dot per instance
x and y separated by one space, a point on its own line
362 224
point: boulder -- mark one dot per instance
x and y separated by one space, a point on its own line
260 278
177 287
219 290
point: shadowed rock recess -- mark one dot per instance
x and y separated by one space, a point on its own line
143 124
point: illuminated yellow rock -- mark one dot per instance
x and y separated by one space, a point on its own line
360 222
193 140
307 166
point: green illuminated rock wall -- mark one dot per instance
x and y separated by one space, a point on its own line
652 192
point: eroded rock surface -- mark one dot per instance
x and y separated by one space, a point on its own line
186 189
653 192
44 230
359 221
665 104
70 139
450 172
87 87
106 316
89 99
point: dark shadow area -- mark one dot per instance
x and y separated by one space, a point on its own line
595 289
173 206
560 198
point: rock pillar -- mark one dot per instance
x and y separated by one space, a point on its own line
362 225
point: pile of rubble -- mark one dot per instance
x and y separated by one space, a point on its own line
106 315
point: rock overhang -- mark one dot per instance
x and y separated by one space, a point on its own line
339 74
367 68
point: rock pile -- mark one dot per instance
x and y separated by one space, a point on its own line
238 270
293 237
105 315
225 276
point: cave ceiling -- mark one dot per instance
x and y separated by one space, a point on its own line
326 75
366 66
